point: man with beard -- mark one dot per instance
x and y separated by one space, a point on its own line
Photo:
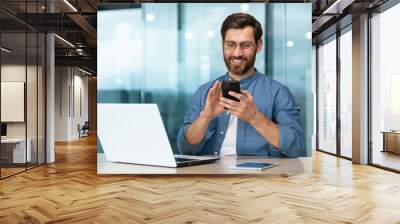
265 121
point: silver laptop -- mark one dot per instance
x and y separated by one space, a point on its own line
135 133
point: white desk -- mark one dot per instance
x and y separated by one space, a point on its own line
19 149
287 167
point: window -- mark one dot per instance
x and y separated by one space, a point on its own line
346 94
327 96
385 89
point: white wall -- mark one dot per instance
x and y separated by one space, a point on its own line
80 110
12 73
33 127
61 103
71 94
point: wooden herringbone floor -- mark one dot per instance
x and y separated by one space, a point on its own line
70 191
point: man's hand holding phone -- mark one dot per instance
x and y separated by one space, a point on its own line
243 107
213 104
238 102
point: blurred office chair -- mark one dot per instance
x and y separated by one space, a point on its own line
84 130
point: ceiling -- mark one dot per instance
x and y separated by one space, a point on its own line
329 16
77 25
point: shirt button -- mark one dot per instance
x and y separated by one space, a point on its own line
222 132
215 153
227 113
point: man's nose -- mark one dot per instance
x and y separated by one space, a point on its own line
238 51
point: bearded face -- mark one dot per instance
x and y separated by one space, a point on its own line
240 50
241 64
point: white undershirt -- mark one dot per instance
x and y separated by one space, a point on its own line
229 144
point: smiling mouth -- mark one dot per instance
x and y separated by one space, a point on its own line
237 61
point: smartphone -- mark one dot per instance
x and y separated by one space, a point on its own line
230 85
254 166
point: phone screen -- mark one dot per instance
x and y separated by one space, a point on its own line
230 85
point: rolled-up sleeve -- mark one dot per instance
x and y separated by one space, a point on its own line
291 134
193 112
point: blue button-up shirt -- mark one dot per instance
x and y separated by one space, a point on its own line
272 99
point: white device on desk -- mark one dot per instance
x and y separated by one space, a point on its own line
135 133
254 166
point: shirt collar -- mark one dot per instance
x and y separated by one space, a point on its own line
244 82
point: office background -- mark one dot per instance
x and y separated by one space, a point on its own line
22 77
157 53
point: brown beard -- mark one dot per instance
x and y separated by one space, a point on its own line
248 64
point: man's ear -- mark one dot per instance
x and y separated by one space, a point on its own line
259 45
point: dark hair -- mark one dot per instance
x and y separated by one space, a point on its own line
240 21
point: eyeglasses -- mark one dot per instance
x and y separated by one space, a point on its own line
231 46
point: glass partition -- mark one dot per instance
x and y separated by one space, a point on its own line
288 57
13 108
22 90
